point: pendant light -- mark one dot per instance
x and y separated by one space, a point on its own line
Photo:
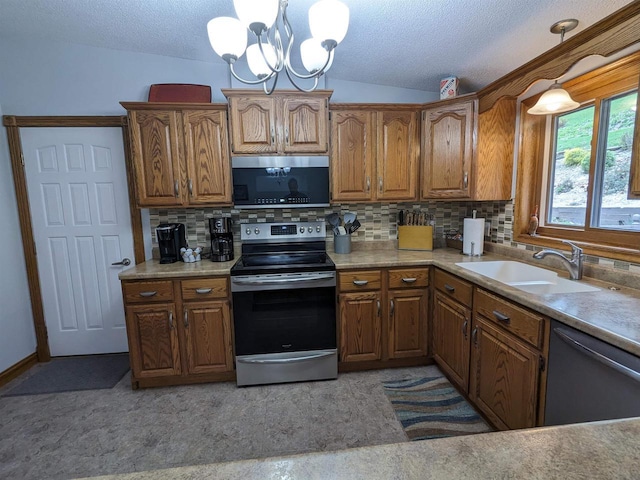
556 99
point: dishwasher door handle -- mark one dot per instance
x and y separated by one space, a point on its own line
618 367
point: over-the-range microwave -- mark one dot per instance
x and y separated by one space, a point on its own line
270 182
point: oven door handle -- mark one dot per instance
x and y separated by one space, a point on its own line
271 361
280 281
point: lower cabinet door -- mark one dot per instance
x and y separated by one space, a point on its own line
155 349
207 327
451 327
504 377
360 327
408 323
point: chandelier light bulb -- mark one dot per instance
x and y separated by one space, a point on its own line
257 15
256 60
314 55
228 38
329 22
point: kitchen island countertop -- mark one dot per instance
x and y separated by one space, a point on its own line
591 450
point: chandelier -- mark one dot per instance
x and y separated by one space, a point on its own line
274 38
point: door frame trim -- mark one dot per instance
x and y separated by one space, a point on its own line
13 124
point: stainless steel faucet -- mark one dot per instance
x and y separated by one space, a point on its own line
574 265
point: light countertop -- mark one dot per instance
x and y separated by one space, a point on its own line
592 450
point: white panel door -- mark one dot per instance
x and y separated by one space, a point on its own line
79 202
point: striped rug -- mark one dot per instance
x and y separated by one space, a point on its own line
430 407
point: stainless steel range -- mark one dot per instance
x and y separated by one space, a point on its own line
284 304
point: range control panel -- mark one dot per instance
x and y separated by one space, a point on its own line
285 231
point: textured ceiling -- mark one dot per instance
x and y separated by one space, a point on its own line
408 43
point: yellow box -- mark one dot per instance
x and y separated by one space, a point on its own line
415 237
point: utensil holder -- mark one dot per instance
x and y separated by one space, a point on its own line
342 243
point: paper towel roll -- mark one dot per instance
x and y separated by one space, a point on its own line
473 231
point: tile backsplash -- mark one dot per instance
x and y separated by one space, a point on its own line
379 222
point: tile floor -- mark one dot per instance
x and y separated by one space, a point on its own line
97 432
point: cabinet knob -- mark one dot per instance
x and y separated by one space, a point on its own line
393 308
360 283
474 336
186 318
378 307
203 290
380 182
465 180
409 280
368 184
176 189
171 320
190 187
273 134
148 294
464 328
286 136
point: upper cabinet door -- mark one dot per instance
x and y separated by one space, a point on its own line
352 154
156 154
447 153
305 123
398 150
253 124
207 152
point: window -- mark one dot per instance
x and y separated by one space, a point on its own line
575 167
576 187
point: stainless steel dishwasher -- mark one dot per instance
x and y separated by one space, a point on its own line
589 379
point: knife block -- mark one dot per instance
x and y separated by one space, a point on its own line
415 237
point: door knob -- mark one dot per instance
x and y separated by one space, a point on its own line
125 262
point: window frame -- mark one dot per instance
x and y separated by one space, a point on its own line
534 162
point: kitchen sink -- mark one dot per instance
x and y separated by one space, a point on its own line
528 278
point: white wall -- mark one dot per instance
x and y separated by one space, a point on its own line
17 335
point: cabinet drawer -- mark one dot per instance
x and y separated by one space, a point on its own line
203 288
409 278
455 287
146 292
524 324
356 281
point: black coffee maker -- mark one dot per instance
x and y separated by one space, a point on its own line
171 238
221 239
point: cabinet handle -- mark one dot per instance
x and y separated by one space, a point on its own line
464 328
186 318
273 134
380 182
286 136
465 180
409 280
474 336
171 320
203 290
393 308
190 187
148 294
176 189
378 307
360 283
368 184
501 317
449 288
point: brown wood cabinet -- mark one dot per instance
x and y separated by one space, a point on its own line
452 326
374 152
466 155
448 143
507 359
180 154
383 314
179 331
285 122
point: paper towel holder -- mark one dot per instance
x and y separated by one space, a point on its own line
471 254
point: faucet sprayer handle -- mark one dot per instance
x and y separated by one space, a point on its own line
575 250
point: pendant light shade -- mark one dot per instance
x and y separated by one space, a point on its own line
314 56
256 15
228 37
258 63
554 100
329 21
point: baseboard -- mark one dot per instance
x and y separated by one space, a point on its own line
18 369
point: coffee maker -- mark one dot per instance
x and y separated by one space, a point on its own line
171 238
221 239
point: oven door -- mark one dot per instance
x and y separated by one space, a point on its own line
284 312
